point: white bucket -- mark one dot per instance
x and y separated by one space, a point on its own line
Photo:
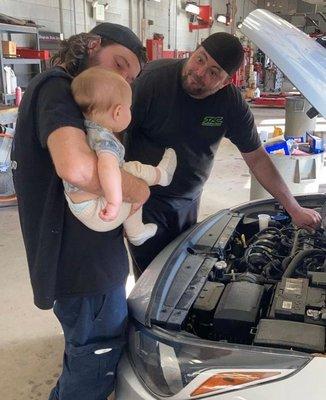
302 174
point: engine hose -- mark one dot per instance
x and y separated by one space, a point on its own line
275 224
258 255
248 277
298 258
273 269
296 242
266 231
286 262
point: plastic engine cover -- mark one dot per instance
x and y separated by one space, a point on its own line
291 335
238 309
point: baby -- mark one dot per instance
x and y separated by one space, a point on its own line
105 99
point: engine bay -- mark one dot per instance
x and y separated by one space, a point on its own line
267 288
241 284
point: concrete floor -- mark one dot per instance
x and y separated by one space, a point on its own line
31 341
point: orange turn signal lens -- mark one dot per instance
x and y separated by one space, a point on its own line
227 380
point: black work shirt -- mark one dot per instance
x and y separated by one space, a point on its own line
65 257
164 115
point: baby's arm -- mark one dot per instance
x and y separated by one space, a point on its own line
110 179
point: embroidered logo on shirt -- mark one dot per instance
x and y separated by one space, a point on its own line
212 121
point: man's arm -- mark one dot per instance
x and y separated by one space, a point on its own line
76 163
73 159
268 176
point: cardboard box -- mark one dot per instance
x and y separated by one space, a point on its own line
277 148
315 143
8 48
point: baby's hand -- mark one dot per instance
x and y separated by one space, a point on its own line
109 212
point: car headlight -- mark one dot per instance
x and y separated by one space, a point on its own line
187 367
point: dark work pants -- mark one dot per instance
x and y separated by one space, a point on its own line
171 222
94 330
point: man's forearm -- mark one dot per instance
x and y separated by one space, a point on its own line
273 182
269 177
73 159
134 190
76 163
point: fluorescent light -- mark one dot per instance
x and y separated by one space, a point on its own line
192 9
221 18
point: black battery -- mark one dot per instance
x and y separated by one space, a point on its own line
290 299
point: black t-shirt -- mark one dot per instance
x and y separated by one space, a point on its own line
164 115
64 256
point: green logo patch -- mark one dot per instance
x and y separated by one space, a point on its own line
212 121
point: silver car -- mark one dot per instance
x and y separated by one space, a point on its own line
230 310
227 311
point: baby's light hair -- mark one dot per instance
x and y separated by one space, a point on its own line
97 89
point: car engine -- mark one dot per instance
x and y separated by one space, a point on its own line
267 287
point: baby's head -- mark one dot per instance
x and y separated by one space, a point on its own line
104 97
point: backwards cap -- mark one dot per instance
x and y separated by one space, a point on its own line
225 49
121 35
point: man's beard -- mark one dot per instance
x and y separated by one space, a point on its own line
199 91
192 91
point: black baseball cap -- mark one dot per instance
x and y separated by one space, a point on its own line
226 50
122 35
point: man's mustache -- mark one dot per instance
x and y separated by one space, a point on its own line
195 78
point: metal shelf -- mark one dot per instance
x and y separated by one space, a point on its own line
15 61
18 28
6 33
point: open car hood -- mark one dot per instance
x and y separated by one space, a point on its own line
298 56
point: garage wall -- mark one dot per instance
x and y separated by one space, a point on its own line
75 16
49 14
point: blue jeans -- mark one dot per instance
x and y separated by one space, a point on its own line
94 330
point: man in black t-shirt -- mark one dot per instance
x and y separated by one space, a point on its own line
190 105
82 271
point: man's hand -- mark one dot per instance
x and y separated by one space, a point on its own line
135 207
306 218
